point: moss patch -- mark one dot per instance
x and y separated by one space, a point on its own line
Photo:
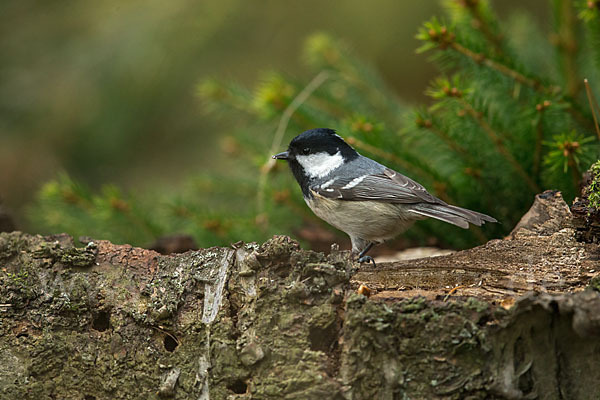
593 189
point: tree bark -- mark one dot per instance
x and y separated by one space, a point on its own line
515 318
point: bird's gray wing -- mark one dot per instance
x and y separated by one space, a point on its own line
386 186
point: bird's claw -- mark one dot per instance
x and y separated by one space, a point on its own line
367 259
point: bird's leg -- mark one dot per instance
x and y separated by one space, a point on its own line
363 258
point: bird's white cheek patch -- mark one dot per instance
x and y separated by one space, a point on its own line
320 164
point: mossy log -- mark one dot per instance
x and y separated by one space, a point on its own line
515 318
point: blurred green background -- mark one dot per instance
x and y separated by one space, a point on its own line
106 91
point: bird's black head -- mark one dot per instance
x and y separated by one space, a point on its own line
316 153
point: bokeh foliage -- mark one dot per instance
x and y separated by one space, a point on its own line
508 118
105 90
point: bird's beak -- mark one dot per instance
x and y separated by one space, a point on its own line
281 156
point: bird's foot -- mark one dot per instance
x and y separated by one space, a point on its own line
367 259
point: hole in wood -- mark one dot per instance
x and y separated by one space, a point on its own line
322 338
101 321
238 387
170 343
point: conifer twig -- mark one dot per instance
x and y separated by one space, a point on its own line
567 45
593 105
450 142
497 141
575 172
520 78
539 139
281 127
502 68
482 25
457 148
537 155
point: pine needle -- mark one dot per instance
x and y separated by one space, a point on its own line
593 105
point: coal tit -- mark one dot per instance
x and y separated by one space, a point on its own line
361 197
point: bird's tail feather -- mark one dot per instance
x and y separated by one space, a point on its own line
452 214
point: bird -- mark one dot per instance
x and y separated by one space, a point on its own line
368 201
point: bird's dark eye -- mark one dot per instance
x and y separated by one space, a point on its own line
306 151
